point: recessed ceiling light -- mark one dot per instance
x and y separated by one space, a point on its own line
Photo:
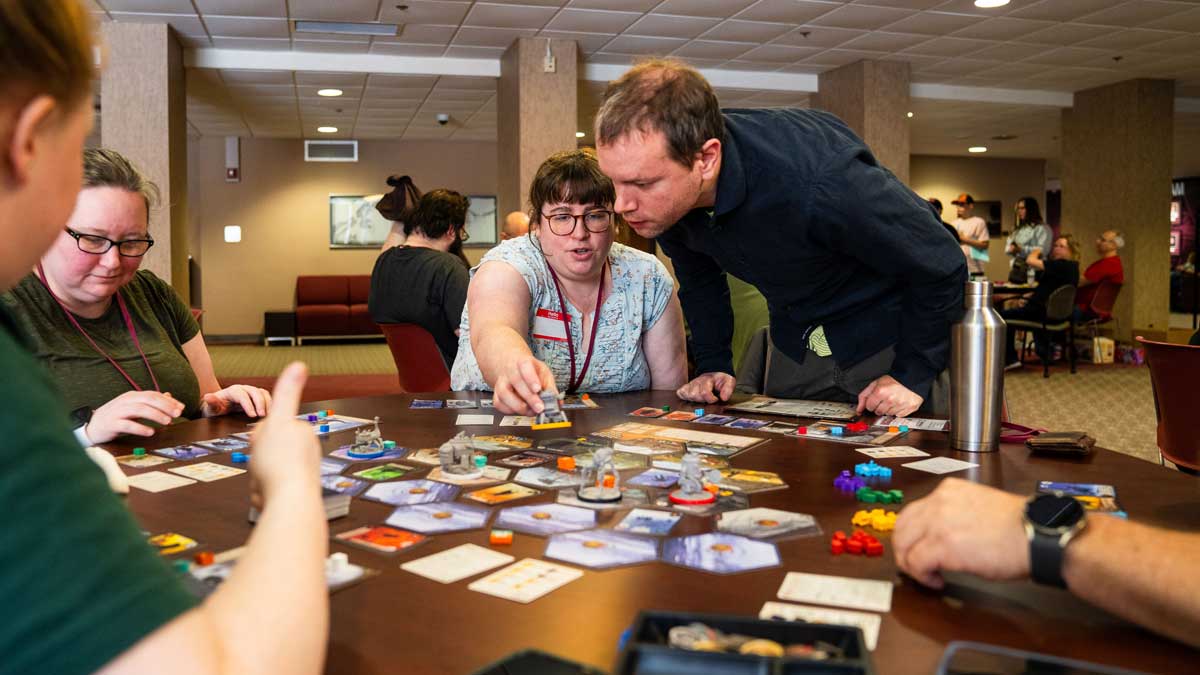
579 134
327 130
977 149
348 28
990 4
910 114
329 92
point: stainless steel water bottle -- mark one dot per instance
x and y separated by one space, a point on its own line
977 372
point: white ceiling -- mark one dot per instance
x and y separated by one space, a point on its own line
1050 45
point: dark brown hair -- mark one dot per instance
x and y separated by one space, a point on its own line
45 48
662 95
572 177
436 212
396 204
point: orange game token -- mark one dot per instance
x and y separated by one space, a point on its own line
500 537
712 488
204 558
610 481
566 463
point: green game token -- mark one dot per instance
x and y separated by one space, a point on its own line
389 445
181 566
666 408
480 461
138 452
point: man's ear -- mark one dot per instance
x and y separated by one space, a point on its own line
709 158
25 141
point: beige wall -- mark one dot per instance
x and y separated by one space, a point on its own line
872 97
282 206
1006 180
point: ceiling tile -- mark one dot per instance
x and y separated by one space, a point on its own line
840 57
661 25
1129 39
588 42
1065 34
588 21
318 79
1002 28
1188 21
862 17
717 9
466 52
195 41
332 46
820 36
342 10
881 41
959 67
701 63
1060 10
1072 56
948 46
778 54
623 5
158 6
1010 51
610 59
747 31
276 8
914 60
424 11
185 24
281 77
1134 13
246 27
631 44
399 49
786 11
933 23
475 36
401 81
708 49
415 33
508 16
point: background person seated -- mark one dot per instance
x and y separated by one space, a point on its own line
1107 268
119 342
1061 269
420 281
516 224
566 309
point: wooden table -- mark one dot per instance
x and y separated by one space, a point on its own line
399 622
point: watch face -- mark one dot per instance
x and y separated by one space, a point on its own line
1054 512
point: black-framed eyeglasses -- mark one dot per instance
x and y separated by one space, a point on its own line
93 243
563 224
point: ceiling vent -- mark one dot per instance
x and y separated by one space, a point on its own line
331 151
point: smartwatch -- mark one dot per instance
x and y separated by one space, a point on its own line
1051 522
80 417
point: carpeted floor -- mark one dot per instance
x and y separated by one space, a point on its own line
1113 404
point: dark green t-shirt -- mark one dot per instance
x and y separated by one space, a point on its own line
85 378
78 583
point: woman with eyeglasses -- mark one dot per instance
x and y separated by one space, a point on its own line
120 343
564 308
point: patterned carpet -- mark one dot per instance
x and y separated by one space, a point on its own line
1113 404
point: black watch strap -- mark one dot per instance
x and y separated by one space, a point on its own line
81 416
1046 560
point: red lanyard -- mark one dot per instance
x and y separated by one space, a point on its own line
128 326
573 384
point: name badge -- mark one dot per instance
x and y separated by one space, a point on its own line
548 325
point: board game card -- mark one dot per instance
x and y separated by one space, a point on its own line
823 430
747 423
226 444
184 452
630 496
457 563
384 472
577 402
674 462
471 420
491 474
516 421
783 611
420 491
750 482
821 589
569 446
913 423
425 456
485 403
158 481
498 494
1093 497
601 549
545 519
388 455
720 553
460 403
336 423
780 428
940 465
648 521
206 471
797 408
439 517
714 419
655 478
680 416
381 539
524 460
546 477
500 443
332 465
526 581
650 447
764 523
892 452
142 461
648 412
622 461
426 403
343 485
170 543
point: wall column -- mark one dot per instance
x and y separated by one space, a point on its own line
872 97
536 114
143 117
1116 175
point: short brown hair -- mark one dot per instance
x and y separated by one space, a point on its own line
662 95
436 212
45 48
1072 245
108 168
572 177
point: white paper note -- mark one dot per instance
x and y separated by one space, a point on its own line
821 589
457 563
940 465
892 452
157 481
475 419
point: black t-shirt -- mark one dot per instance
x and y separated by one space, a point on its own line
1058 273
421 286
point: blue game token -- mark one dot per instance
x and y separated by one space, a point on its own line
322 414
239 458
324 428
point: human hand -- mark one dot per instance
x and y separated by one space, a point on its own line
285 453
886 396
702 387
517 390
962 527
122 414
254 401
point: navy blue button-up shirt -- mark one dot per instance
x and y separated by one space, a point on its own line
806 214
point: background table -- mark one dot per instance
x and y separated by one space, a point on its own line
399 622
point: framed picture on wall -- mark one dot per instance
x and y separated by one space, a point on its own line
992 213
481 221
354 222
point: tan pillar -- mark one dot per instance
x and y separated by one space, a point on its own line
872 97
143 116
1116 175
536 113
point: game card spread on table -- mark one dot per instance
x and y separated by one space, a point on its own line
821 589
526 581
457 563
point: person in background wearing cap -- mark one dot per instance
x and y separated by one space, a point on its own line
516 224
972 234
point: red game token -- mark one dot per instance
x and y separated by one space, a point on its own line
854 546
837 547
874 549
839 535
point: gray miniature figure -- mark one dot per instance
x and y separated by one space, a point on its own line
368 443
594 488
692 477
457 457
552 416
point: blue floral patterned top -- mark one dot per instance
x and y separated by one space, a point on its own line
641 290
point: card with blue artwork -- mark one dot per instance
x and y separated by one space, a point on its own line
421 491
438 517
427 403
601 549
333 465
1092 496
387 456
184 452
715 419
648 521
720 553
545 519
227 444
546 477
343 485
655 478
747 423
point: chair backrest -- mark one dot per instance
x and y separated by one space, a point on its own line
1105 298
1174 372
417 358
1061 304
